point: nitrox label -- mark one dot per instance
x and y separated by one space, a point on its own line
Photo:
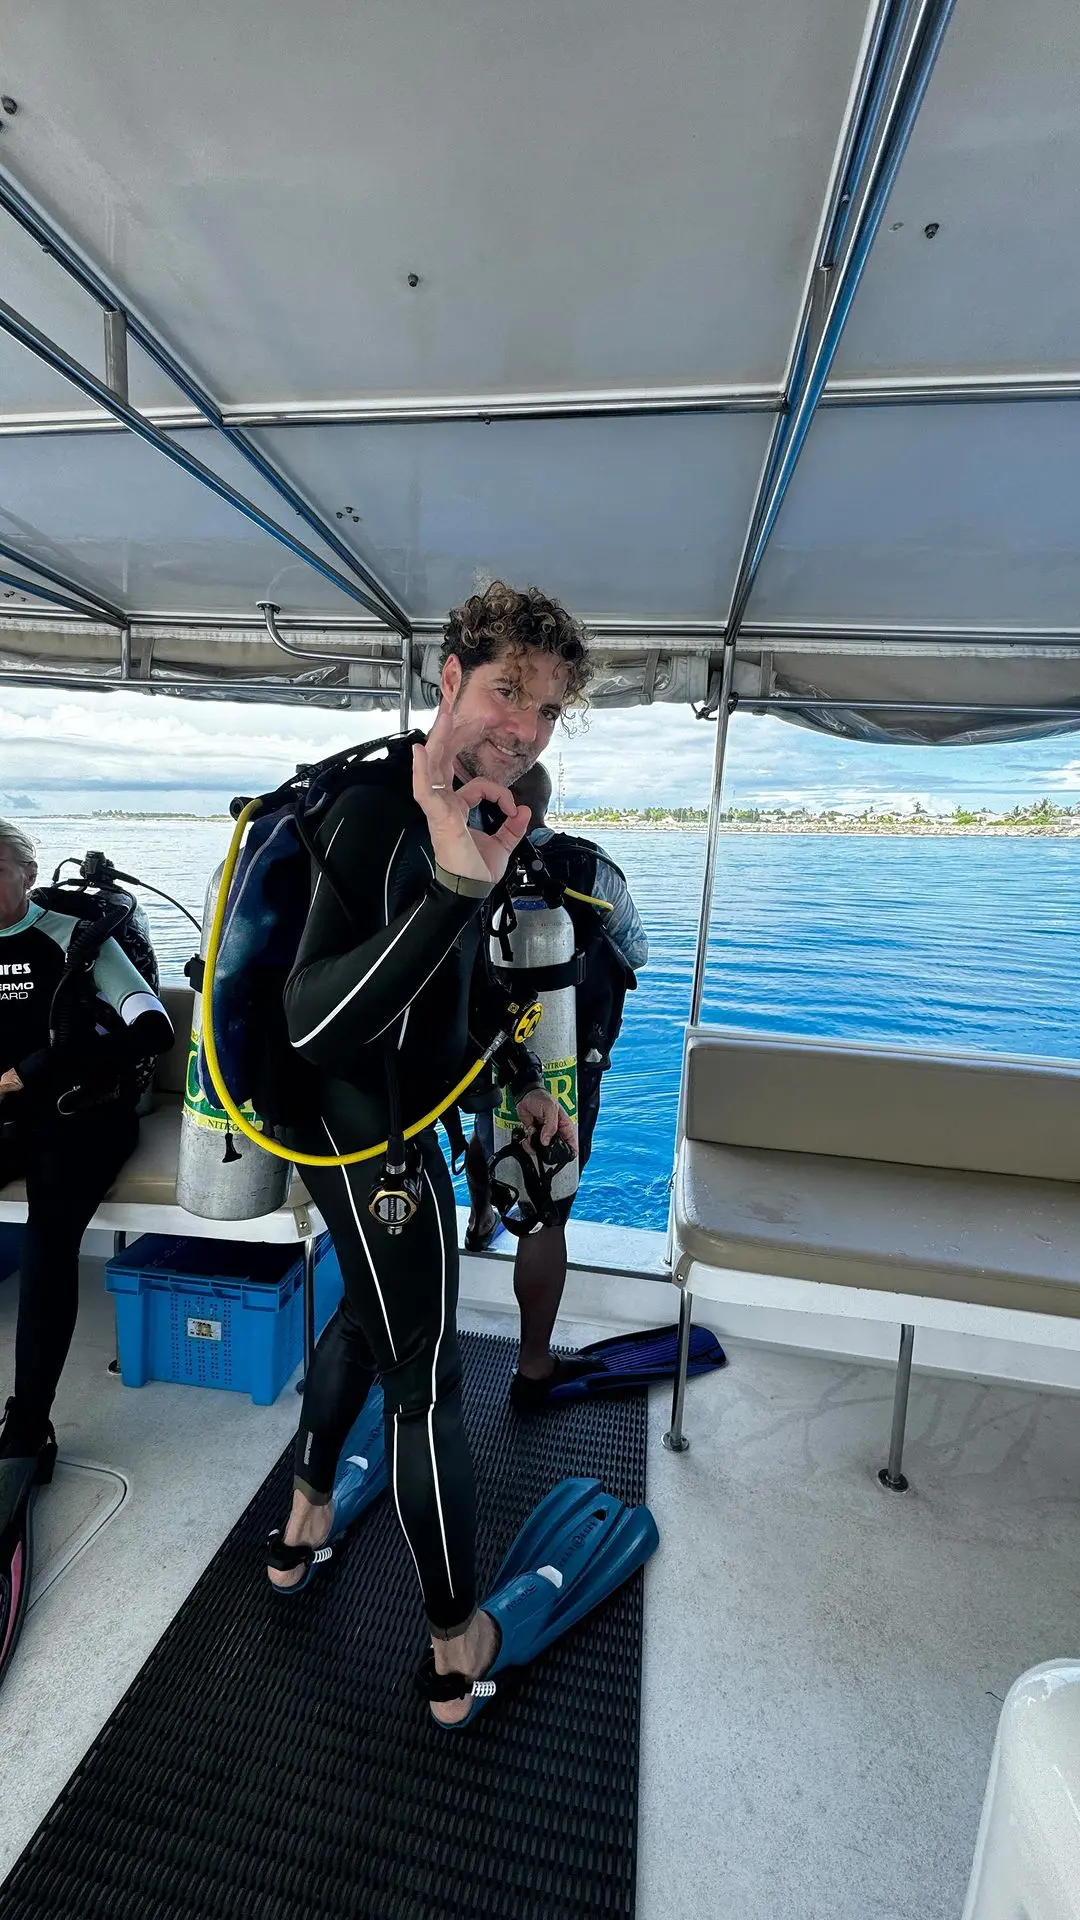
560 1079
203 1111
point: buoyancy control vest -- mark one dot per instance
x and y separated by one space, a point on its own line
103 910
605 977
267 911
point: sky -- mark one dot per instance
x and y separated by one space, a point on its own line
63 753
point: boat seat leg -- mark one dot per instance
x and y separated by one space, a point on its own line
119 1244
892 1477
675 1439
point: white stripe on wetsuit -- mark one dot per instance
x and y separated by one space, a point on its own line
352 1202
353 991
319 875
435 968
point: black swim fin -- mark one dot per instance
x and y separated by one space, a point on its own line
636 1360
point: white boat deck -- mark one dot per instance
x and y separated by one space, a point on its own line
823 1662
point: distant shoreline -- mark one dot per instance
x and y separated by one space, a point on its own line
1042 821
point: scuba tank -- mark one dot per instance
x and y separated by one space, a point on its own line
102 910
531 953
220 1176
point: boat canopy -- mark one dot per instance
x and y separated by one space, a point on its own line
743 330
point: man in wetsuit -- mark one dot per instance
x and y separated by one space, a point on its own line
382 978
68 1121
615 948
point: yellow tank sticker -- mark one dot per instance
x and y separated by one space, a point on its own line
560 1079
203 1111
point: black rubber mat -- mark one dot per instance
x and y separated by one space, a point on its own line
272 1760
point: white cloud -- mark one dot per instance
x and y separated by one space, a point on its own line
72 751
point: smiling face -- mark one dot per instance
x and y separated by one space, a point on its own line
15 883
510 707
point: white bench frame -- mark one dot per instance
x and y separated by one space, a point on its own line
736 1287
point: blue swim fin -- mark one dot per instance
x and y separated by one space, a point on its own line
636 1360
362 1472
575 1549
362 1475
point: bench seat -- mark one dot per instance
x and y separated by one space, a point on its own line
941 1186
988 1239
143 1197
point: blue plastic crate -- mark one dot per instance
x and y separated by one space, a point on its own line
216 1313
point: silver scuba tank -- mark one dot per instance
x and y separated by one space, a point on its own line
220 1175
542 940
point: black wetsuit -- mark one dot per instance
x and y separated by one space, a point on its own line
393 971
67 1133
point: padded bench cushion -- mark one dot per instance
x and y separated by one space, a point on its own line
149 1177
980 1238
980 1114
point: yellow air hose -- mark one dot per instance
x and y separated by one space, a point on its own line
589 899
526 1024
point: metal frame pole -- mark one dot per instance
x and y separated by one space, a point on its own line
119 1242
17 327
853 704
64 600
61 249
92 603
875 142
727 677
405 700
892 1477
116 353
888 390
675 1439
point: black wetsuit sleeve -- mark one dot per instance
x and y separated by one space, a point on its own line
357 972
96 1058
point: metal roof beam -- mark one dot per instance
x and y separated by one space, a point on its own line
51 594
82 599
897 63
60 247
19 328
886 390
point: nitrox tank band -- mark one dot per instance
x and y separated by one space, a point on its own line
532 953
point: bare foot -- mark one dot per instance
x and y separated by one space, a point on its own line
307 1526
471 1653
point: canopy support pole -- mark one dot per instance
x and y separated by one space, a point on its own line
17 327
116 354
378 598
80 599
724 706
57 599
898 59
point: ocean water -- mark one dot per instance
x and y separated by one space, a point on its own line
971 942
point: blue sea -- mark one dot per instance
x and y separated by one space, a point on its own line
969 942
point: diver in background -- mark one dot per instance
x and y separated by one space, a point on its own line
68 1122
615 948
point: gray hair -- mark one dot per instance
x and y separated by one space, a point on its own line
21 846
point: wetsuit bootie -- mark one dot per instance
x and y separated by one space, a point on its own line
575 1549
362 1475
532 1396
27 1459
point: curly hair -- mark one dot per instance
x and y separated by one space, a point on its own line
504 620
